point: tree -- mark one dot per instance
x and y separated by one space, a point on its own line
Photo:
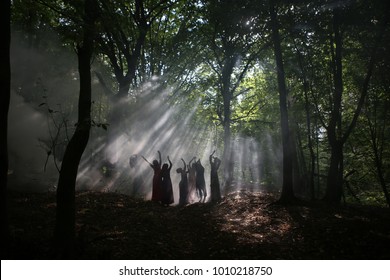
232 36
5 87
377 115
333 43
122 42
336 168
214 51
65 215
337 137
287 194
308 113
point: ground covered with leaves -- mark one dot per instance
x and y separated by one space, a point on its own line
244 225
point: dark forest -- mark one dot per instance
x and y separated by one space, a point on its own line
170 129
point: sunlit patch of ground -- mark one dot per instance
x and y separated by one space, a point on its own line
244 225
248 215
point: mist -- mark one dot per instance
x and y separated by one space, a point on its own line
27 157
43 112
41 81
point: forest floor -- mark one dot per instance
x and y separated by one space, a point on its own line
244 225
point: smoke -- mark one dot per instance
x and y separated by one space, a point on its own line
44 85
27 157
154 123
43 112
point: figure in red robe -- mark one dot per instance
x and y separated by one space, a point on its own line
200 182
167 190
191 181
157 179
183 185
214 180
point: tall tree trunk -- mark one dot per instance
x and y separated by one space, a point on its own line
336 137
287 194
334 189
5 88
378 139
382 181
300 170
333 192
378 158
227 148
65 216
310 144
124 75
227 96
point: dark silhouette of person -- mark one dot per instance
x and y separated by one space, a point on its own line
215 191
183 185
157 180
200 182
167 190
191 180
133 161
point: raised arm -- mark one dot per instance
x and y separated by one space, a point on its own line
185 166
211 158
147 161
217 163
170 163
189 164
159 157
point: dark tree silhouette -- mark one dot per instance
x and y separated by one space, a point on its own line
123 44
336 136
214 180
231 65
5 86
287 188
200 182
183 185
191 179
65 216
166 184
335 173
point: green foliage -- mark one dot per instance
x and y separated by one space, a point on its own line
202 51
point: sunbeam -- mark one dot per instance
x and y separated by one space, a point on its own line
154 125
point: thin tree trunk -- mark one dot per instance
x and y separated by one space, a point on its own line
227 97
287 194
310 145
301 183
227 146
334 189
377 142
119 108
333 192
65 216
336 139
311 148
379 168
5 89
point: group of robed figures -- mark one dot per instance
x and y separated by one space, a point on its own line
192 182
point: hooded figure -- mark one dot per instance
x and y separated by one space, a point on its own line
183 185
166 184
200 182
157 180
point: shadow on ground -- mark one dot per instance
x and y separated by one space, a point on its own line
244 225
